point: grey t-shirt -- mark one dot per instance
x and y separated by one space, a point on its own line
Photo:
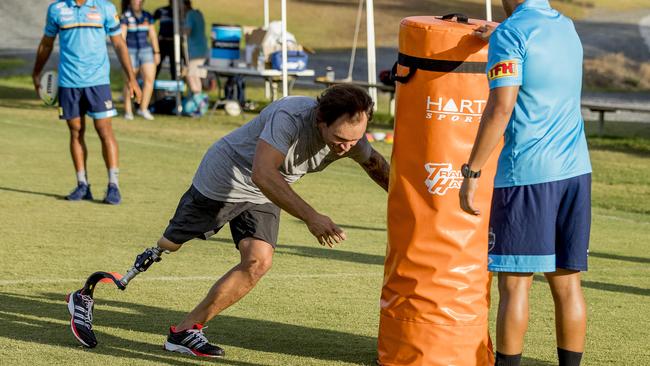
289 125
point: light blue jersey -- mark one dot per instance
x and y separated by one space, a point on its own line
538 49
82 39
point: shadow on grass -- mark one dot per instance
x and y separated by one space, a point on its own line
331 254
23 98
355 227
24 317
617 257
319 252
604 286
57 196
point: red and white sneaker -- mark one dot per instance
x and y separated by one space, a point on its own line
192 342
80 307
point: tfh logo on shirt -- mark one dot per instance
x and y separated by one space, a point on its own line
442 178
465 110
503 69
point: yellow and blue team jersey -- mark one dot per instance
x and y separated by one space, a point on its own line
538 49
82 34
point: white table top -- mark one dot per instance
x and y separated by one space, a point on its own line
255 72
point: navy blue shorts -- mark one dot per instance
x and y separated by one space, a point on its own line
95 101
541 227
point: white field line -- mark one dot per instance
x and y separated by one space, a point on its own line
144 278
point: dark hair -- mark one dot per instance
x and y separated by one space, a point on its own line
126 4
339 100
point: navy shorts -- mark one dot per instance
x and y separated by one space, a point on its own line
541 227
95 101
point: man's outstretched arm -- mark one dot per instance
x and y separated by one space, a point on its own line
378 169
268 179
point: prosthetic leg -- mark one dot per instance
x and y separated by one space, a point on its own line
80 303
142 262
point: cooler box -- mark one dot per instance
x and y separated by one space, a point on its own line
225 44
296 60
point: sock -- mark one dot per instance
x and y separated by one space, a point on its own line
81 177
508 360
569 358
112 175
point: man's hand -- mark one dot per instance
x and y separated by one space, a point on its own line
484 32
134 90
467 190
325 230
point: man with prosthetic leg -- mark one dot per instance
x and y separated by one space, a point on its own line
244 180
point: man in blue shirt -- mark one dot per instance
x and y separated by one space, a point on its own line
541 207
84 84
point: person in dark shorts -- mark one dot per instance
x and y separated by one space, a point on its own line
244 180
84 84
541 207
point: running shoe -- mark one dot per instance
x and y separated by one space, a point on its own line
113 196
192 342
80 307
81 192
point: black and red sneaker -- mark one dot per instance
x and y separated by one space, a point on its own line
192 342
80 307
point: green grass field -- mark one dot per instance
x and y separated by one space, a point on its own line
317 306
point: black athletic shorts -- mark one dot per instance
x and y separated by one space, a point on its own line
200 217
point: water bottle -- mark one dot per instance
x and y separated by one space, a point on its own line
329 73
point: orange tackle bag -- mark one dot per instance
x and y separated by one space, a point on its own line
435 296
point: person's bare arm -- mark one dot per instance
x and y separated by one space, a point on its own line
153 38
42 55
494 121
123 55
268 179
378 169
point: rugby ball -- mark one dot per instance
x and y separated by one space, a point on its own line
49 87
232 108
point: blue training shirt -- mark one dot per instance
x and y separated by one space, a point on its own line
137 29
82 34
538 49
197 43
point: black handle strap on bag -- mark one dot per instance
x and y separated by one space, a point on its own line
399 78
414 63
460 18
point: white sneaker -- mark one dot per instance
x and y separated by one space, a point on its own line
128 116
145 114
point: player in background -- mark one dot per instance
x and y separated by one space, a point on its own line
84 83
